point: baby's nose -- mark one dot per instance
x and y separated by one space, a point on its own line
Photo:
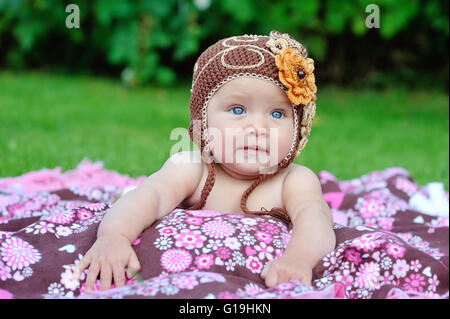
258 131
257 125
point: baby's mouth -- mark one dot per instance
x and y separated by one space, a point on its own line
255 148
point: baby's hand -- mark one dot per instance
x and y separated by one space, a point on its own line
110 256
287 268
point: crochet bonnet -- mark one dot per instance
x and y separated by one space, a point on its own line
277 58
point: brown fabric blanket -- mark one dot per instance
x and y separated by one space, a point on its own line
385 247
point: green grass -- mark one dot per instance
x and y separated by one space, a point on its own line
56 120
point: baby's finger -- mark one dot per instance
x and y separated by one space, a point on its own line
271 279
93 271
306 280
84 262
133 265
105 276
266 269
119 275
283 276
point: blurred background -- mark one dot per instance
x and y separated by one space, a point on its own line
112 85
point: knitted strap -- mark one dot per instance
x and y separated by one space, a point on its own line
276 211
209 183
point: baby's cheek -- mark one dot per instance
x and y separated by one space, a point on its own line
222 148
284 142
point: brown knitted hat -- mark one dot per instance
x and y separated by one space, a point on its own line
277 58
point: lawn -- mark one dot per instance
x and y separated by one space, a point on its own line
56 120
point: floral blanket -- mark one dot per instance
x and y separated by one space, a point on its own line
386 247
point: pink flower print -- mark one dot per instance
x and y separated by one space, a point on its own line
353 256
5 272
84 214
5 294
5 234
264 251
203 213
168 231
345 278
265 237
53 199
232 243
18 254
69 281
414 282
405 185
269 228
405 236
370 207
368 275
214 244
189 239
63 231
185 282
62 218
400 268
367 242
204 261
96 287
395 250
147 290
42 227
249 221
162 243
332 259
176 260
32 205
227 295
386 222
286 237
433 282
161 280
223 253
416 265
422 244
218 229
279 253
96 207
285 286
252 289
386 278
194 220
254 265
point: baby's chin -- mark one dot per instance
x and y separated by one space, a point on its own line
251 169
249 163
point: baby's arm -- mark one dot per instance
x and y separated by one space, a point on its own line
138 209
312 233
157 196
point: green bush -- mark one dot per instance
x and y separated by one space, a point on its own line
158 40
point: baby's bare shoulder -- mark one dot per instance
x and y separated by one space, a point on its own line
185 164
301 179
180 173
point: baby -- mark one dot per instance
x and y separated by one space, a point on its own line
252 104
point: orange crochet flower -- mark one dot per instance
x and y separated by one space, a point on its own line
296 74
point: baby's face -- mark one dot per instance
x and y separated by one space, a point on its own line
251 125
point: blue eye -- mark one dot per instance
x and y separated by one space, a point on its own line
277 114
237 110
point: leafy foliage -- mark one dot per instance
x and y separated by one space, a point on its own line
157 41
